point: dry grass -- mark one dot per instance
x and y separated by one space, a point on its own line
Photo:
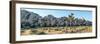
56 30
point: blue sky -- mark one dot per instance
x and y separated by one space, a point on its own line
61 12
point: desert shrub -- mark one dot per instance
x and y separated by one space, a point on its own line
41 33
34 31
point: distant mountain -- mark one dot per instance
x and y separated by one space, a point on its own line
29 18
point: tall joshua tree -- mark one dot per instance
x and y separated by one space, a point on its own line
71 19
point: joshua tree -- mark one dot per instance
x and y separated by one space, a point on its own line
71 19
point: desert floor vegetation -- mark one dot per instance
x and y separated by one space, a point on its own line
56 30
